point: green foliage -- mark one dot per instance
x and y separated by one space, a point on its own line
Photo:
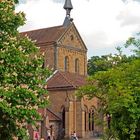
119 93
105 62
22 77
118 90
134 41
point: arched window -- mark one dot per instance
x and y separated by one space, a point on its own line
92 123
91 119
86 117
63 118
66 63
76 65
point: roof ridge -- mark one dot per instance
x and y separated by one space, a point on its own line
42 28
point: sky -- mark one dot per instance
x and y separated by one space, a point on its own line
102 24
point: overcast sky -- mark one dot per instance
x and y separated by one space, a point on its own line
103 24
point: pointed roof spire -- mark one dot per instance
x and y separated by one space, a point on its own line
68 7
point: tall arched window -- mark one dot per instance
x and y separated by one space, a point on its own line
63 118
86 117
66 63
76 65
91 119
92 116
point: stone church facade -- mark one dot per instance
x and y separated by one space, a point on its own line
66 54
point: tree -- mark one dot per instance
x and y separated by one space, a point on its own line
118 91
105 62
22 77
135 42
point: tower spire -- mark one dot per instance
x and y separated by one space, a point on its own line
68 7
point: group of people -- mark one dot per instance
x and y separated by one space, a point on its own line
50 136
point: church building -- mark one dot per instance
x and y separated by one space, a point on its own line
65 54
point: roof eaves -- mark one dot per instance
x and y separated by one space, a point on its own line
45 43
25 32
61 88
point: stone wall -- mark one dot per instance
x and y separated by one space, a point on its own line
72 56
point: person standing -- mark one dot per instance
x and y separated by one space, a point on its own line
53 135
75 136
48 135
36 135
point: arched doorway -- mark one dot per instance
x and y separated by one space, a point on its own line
91 119
86 117
63 118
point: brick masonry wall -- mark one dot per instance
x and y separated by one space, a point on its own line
72 46
49 57
72 55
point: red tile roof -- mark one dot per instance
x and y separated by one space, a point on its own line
65 80
45 35
52 116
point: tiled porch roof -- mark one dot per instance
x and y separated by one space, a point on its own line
65 80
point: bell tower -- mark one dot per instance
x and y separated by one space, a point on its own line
68 7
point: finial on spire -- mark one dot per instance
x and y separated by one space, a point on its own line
68 7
